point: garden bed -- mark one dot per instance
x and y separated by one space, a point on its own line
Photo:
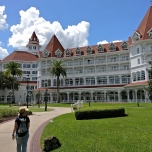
3 119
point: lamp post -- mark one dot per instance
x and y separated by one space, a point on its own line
27 96
10 93
46 95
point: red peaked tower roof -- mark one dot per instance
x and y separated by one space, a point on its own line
146 24
34 38
54 45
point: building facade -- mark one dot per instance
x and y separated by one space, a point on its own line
114 72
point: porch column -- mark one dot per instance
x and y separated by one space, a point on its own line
146 96
73 81
91 95
51 97
105 95
79 95
67 96
120 77
133 94
119 95
96 96
84 79
108 78
95 80
128 95
136 95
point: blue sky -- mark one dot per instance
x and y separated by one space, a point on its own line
75 22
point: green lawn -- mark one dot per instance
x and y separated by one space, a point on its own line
123 134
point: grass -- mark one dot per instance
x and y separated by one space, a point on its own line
123 134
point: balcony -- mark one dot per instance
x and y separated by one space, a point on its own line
89 71
100 61
88 62
113 60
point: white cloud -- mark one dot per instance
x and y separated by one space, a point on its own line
30 20
3 17
105 42
3 52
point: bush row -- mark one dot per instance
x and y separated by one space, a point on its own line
8 112
98 114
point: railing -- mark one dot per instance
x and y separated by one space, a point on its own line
113 69
89 71
100 61
88 62
101 70
124 59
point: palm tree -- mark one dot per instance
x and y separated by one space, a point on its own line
58 69
13 69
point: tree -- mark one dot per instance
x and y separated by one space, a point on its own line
58 69
13 69
149 88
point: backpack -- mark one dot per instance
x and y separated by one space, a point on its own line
22 130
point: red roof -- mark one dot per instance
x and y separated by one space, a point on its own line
137 84
54 45
145 25
20 56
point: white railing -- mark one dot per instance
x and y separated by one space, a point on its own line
100 61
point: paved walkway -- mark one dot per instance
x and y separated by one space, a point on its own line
38 122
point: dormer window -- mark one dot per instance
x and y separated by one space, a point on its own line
89 50
150 33
68 52
58 53
45 53
78 51
112 47
136 36
100 48
124 45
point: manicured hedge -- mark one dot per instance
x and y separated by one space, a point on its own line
8 112
98 114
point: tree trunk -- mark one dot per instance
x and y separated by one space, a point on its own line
58 93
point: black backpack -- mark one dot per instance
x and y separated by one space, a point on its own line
22 129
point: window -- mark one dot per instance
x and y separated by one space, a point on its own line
134 76
33 65
112 47
138 76
89 50
124 45
24 65
150 33
78 51
102 80
24 72
27 72
30 48
4 65
46 53
135 37
138 51
68 52
138 60
34 47
90 81
117 79
28 65
125 58
32 87
142 75
34 78
34 72
113 59
100 48
111 80
58 53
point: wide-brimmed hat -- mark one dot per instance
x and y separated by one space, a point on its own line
23 111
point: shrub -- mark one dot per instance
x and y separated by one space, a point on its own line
98 114
8 112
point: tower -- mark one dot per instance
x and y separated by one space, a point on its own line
33 44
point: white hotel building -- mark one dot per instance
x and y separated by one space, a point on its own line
114 72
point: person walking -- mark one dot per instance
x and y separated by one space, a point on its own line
21 127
